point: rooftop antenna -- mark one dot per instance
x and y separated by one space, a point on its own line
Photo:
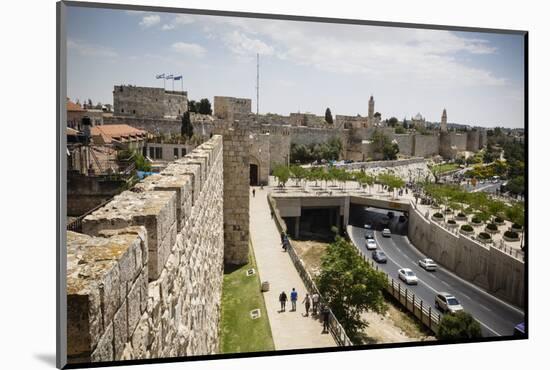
257 84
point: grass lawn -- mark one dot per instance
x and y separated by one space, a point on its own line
241 294
446 167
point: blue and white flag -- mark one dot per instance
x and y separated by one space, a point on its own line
160 76
169 77
178 77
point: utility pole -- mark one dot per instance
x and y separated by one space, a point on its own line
257 84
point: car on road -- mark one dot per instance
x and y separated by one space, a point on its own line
379 256
447 302
368 226
391 215
369 234
371 244
402 218
408 276
386 233
427 264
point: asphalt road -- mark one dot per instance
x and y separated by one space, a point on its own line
496 317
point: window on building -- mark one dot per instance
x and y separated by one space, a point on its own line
122 110
151 152
144 151
176 154
158 153
183 152
134 111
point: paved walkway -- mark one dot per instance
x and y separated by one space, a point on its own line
291 330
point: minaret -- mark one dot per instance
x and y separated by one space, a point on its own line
443 126
371 108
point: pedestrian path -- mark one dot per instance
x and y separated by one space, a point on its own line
291 330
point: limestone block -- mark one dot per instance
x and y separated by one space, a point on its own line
155 210
104 350
93 286
120 326
182 185
134 306
182 167
141 339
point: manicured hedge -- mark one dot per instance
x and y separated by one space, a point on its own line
484 235
467 228
511 234
499 220
476 220
492 227
452 222
437 215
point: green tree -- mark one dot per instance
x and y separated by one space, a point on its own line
205 107
400 130
282 173
392 121
516 185
350 286
459 325
383 146
328 116
186 126
192 106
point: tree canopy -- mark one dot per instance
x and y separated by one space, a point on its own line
350 286
383 146
186 126
459 325
328 116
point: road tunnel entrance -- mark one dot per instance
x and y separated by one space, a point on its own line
315 223
253 174
378 218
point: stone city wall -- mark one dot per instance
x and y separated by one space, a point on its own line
483 265
144 279
150 102
405 143
152 125
426 145
260 155
225 107
459 141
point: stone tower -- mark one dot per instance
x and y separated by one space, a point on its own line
443 126
371 109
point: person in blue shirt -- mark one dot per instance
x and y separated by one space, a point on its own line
293 298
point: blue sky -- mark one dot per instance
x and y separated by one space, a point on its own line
306 67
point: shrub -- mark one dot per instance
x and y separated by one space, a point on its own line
460 325
511 234
476 220
467 228
492 227
461 215
448 210
517 226
452 222
499 220
438 215
484 235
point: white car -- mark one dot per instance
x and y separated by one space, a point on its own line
427 264
371 244
386 233
408 276
447 302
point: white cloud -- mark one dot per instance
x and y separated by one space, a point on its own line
150 21
178 21
242 45
189 49
90 50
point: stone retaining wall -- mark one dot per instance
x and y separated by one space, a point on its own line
145 278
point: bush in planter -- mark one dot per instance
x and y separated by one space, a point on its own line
451 222
484 236
437 215
499 220
511 235
467 228
461 215
492 227
448 210
517 227
476 220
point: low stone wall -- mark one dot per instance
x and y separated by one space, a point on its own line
487 267
146 280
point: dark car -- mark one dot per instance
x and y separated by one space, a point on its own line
390 215
379 256
519 330
369 234
402 218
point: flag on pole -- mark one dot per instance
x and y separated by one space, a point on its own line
177 78
160 76
169 77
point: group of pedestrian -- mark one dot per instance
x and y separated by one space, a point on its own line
284 240
308 301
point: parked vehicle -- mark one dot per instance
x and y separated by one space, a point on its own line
369 234
446 302
408 276
519 330
427 264
386 233
379 256
371 244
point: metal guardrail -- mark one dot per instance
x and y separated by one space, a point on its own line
335 328
76 224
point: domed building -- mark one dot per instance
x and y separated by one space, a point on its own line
418 121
